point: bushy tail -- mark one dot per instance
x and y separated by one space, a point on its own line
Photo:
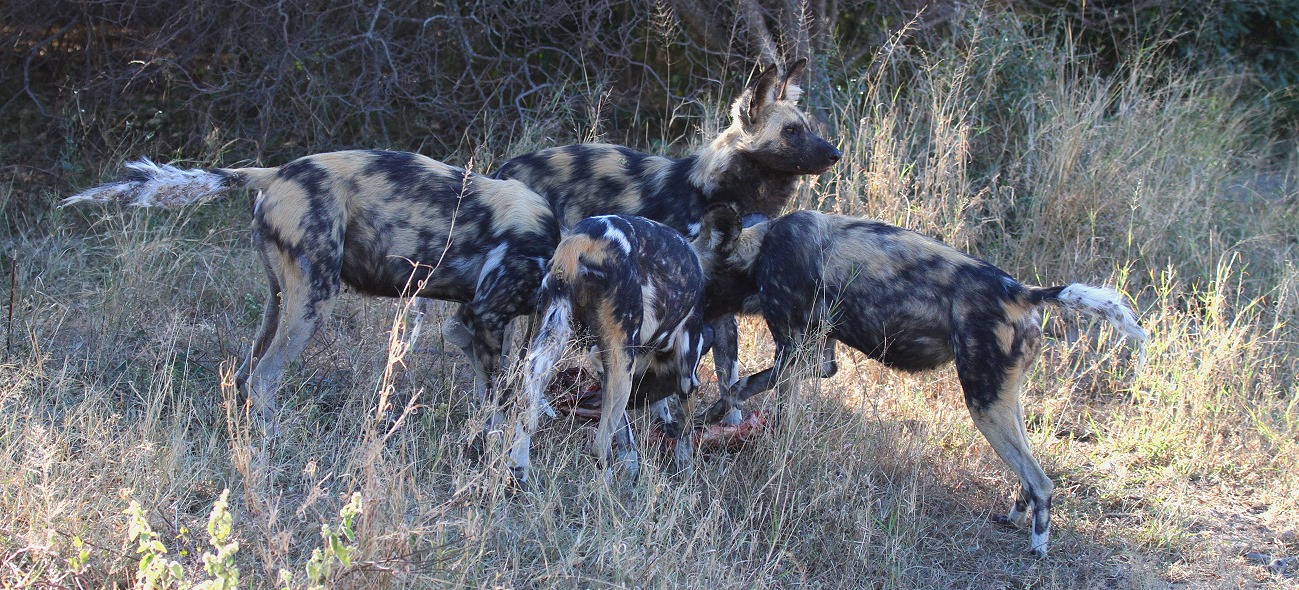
551 341
1103 303
146 184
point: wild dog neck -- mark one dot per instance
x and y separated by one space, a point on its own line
754 187
730 284
731 176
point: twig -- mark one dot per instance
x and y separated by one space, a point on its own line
27 63
13 289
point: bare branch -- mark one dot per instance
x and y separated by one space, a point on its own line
755 25
32 53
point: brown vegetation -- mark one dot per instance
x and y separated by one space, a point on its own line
124 326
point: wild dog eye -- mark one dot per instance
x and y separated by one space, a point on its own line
791 130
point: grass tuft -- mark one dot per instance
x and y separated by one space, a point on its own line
116 382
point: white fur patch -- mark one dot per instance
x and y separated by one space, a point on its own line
547 348
614 234
662 410
1040 543
649 323
1107 304
793 92
689 375
494 258
162 185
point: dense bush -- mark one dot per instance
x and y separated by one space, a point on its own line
277 79
284 77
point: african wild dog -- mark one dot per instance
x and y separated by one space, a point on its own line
754 164
635 285
911 303
384 223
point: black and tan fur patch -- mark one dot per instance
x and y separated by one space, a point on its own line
754 164
635 285
383 223
911 303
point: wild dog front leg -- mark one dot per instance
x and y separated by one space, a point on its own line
726 353
688 352
627 457
505 291
534 403
789 315
767 379
676 377
743 389
667 410
480 337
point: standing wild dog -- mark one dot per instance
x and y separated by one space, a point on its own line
384 223
912 303
636 286
754 164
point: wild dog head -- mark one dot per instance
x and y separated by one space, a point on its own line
770 144
775 131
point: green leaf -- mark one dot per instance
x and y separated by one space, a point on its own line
341 551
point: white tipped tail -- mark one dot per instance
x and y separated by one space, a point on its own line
548 348
1108 304
148 184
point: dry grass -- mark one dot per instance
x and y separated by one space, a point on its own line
124 330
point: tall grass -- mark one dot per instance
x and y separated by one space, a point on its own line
127 323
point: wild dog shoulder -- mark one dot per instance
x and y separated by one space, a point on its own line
515 209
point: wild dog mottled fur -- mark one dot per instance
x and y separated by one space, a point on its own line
635 285
911 303
754 164
383 223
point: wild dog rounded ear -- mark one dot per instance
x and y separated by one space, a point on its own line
763 91
721 225
789 88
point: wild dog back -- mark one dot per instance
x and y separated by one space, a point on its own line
754 164
384 211
635 285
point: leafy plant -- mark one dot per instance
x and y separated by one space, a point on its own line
336 555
